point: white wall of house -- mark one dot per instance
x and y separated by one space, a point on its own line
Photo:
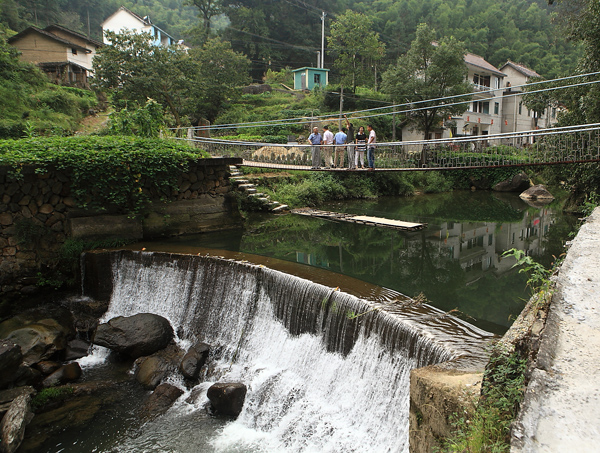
124 20
496 106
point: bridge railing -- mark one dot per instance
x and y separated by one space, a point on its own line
549 146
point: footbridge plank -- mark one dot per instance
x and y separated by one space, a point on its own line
361 219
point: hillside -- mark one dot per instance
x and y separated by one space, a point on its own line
288 33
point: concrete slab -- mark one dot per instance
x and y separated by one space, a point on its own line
561 408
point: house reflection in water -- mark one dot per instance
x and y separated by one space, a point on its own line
479 246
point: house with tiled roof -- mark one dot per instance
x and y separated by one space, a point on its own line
517 117
484 110
65 55
126 20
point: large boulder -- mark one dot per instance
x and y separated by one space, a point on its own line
76 349
41 333
160 400
9 395
194 360
518 183
65 374
227 398
12 427
10 360
138 335
151 370
537 193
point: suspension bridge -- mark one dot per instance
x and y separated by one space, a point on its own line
564 145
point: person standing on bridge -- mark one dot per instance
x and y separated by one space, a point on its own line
371 147
315 140
350 127
340 140
328 142
361 147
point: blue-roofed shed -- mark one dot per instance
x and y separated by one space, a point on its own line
307 78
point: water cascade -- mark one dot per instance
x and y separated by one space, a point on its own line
326 371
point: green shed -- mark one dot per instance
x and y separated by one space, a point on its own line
307 78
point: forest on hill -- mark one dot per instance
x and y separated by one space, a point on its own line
287 33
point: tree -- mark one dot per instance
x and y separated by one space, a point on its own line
358 48
208 9
191 84
429 71
134 70
220 71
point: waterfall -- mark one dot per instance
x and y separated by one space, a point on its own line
326 371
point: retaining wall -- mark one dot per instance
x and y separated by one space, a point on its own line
38 214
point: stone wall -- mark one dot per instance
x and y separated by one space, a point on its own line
38 214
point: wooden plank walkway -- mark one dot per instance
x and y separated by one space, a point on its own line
361 219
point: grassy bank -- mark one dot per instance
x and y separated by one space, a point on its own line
302 188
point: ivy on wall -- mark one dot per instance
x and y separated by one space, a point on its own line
116 173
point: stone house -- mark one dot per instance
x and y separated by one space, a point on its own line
65 55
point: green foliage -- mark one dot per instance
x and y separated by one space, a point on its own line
116 173
311 189
357 46
29 101
30 233
284 76
190 85
426 72
488 428
47 395
539 276
147 121
591 203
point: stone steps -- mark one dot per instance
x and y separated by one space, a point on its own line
244 185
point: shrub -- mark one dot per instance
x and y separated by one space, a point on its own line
106 172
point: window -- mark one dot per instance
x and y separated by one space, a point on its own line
317 79
496 108
520 107
481 107
553 112
481 80
74 51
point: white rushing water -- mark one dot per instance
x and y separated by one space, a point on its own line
303 395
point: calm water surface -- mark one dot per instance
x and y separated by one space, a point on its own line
456 261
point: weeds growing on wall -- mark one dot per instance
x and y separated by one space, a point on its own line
487 429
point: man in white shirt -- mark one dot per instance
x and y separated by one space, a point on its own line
371 147
327 149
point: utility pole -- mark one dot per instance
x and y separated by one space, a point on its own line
323 40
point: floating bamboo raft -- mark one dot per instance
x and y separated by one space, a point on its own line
362 219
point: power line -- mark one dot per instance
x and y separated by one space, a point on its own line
287 121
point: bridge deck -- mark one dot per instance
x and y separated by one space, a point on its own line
365 220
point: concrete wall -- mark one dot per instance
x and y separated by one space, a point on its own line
38 214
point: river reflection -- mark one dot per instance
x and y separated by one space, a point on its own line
456 262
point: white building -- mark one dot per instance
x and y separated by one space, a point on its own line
496 105
484 112
126 20
516 116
